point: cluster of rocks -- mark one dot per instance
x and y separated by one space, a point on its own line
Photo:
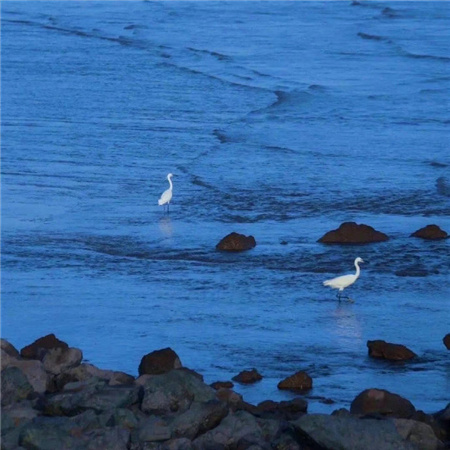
52 400
347 233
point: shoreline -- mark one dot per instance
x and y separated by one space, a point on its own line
46 386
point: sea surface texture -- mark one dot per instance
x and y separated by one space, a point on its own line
279 120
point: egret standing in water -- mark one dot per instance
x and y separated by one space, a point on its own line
345 280
167 194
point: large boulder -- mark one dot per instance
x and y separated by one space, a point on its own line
237 430
418 433
93 394
300 381
380 401
32 369
385 350
349 433
15 386
84 431
85 371
173 391
159 361
9 349
431 232
235 242
39 348
352 233
59 359
198 419
248 376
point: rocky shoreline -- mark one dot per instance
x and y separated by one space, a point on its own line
52 400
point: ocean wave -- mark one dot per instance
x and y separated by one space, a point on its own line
372 37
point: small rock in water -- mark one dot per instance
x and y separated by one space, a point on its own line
222 384
430 232
393 352
248 376
300 381
235 242
352 233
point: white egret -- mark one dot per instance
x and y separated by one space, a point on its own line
345 280
167 194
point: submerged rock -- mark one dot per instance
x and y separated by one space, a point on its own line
159 361
431 232
300 381
352 233
379 401
222 384
446 341
393 352
248 376
235 242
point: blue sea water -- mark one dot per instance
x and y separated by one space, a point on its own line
280 120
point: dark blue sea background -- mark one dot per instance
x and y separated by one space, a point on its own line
280 120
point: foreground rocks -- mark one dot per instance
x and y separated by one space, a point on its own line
171 408
352 233
430 232
235 242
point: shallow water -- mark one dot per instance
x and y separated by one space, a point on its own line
279 120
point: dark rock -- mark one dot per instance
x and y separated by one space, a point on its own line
93 395
85 371
159 361
222 384
386 350
419 434
59 359
440 431
247 376
352 233
32 369
446 341
153 429
432 232
39 348
50 433
379 401
235 242
286 410
234 429
173 392
442 419
231 398
9 348
15 386
198 419
300 381
349 433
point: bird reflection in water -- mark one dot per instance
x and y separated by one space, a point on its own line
347 326
165 225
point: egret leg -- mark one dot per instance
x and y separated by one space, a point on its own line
338 295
